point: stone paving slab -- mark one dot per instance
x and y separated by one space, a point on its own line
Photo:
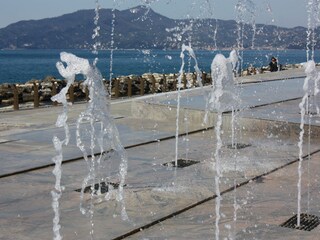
288 111
241 97
37 148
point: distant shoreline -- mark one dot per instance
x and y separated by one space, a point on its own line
21 66
251 70
167 49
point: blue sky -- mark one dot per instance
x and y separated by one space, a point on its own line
288 13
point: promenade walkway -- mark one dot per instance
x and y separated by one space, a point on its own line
165 202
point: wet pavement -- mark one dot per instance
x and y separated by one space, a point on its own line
258 181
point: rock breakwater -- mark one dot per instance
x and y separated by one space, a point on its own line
40 91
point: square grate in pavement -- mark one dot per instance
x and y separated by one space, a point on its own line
104 187
313 113
238 146
182 163
307 222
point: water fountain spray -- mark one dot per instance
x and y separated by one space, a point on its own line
112 47
58 145
96 32
199 82
245 9
309 92
105 136
222 77
312 75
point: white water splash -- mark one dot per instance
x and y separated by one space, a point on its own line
113 25
246 14
208 9
222 79
105 136
57 192
222 70
233 127
312 76
96 32
313 8
316 92
178 105
199 82
61 122
179 33
309 70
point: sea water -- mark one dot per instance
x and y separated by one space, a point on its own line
19 66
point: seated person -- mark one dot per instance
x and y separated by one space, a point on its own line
273 65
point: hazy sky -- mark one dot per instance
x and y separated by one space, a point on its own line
288 13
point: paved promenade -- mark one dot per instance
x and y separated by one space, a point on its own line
258 181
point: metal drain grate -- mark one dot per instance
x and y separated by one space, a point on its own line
181 163
311 113
307 222
238 146
104 187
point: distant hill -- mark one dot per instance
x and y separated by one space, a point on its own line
142 28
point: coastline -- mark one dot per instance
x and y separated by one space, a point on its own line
24 65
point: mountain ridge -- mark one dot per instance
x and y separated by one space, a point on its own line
142 28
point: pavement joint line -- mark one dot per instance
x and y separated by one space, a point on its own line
172 215
263 105
9 141
96 154
281 101
239 109
271 80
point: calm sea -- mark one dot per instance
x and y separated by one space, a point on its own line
17 66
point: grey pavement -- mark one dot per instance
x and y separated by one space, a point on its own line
164 202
